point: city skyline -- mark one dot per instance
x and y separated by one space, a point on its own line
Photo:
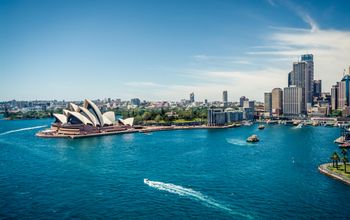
166 51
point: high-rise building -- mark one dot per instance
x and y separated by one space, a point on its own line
344 92
303 76
334 96
191 97
293 101
317 88
268 102
241 101
248 104
224 98
277 101
135 101
309 78
290 76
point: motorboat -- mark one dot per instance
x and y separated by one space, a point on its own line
300 125
261 127
253 138
146 181
247 123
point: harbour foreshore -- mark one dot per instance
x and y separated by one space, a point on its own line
145 129
324 169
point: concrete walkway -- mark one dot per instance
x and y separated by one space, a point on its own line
323 169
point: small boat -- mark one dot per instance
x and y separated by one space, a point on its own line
146 181
247 123
261 127
296 122
299 125
253 138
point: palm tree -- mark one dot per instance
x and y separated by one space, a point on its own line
336 159
344 151
344 159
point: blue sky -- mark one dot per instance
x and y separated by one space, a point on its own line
163 50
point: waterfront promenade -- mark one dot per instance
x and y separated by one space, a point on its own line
145 129
331 171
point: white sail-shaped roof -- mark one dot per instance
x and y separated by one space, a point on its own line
74 107
90 105
127 121
61 118
90 116
106 121
65 112
80 117
110 115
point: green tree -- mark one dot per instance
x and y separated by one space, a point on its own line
344 159
332 158
158 118
146 116
138 119
336 159
344 152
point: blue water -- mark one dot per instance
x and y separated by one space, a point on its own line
200 174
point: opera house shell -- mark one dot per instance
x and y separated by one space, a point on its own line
88 119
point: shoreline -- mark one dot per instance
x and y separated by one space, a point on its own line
323 168
146 129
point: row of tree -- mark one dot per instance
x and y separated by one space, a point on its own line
335 159
142 115
31 114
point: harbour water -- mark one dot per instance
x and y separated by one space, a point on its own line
201 174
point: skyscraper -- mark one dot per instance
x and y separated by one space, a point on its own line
277 101
241 100
191 97
290 76
344 92
224 98
268 102
303 76
309 78
293 101
334 96
317 88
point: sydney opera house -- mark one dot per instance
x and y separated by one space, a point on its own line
86 120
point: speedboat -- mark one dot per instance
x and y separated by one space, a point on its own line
146 181
299 125
253 138
247 123
261 127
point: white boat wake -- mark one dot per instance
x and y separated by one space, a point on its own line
239 142
23 129
171 188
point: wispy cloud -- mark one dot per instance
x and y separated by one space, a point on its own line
144 84
269 63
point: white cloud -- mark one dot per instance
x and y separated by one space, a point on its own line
268 67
